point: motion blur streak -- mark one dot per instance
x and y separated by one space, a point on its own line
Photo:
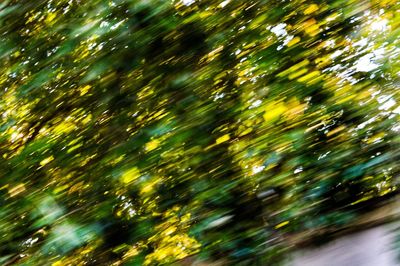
189 132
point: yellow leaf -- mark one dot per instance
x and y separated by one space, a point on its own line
298 73
85 89
146 189
57 263
63 128
323 61
47 160
87 250
295 108
375 138
312 30
311 9
152 145
87 119
311 27
50 17
133 251
60 189
336 130
281 224
16 190
274 111
309 76
332 17
74 147
170 230
130 175
206 14
59 75
222 139
346 99
293 41
117 160
246 131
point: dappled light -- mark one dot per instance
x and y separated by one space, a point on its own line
192 131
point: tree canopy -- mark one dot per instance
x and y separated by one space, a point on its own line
138 132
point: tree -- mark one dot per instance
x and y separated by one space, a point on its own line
142 132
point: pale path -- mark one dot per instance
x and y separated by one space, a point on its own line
372 247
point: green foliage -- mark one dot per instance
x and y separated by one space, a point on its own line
143 132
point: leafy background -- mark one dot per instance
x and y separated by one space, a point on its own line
143 132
